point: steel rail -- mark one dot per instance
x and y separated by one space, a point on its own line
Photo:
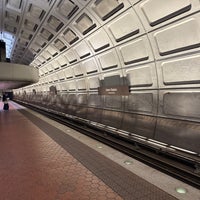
180 168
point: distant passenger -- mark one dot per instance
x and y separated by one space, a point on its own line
5 101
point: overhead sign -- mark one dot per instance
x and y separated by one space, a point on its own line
122 90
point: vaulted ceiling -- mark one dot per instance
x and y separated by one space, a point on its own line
27 26
76 44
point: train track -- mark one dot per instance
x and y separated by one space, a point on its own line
185 168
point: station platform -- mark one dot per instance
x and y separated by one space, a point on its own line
41 159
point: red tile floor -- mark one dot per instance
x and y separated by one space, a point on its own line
34 167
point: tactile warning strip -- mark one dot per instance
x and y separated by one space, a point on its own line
128 185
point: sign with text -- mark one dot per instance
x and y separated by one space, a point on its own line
122 90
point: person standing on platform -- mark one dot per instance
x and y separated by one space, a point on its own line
5 101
